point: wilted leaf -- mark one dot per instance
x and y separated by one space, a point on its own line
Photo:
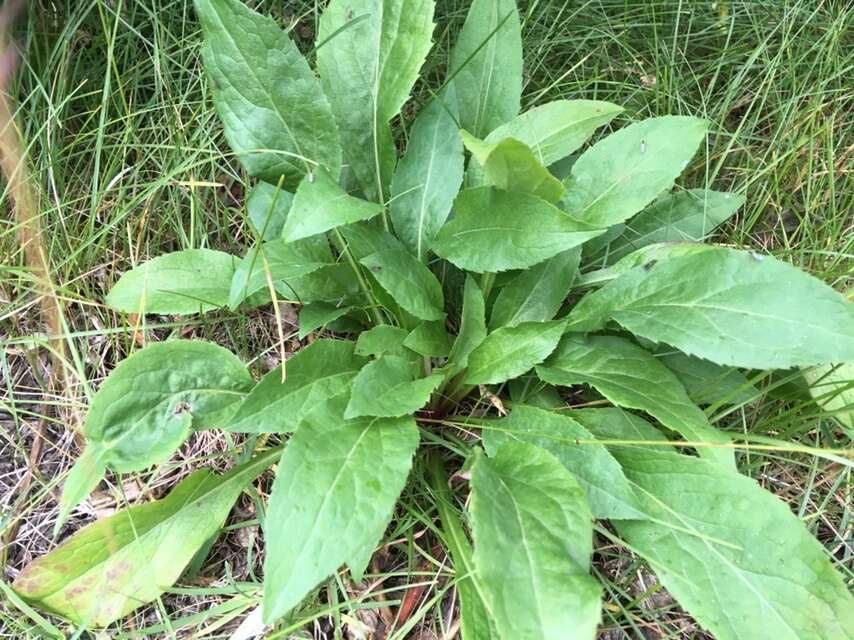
119 563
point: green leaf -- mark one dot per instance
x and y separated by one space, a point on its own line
684 216
429 339
335 490
387 388
315 374
317 315
707 382
146 407
369 56
556 129
832 387
731 553
537 293
286 261
276 117
495 230
429 175
532 546
621 174
472 327
612 423
119 563
509 352
608 491
412 285
331 283
81 480
321 205
268 209
631 377
475 623
644 257
731 307
381 339
486 65
511 165
177 283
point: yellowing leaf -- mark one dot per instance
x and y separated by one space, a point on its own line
115 565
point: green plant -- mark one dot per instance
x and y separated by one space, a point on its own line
391 269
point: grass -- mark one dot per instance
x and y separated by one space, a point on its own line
129 162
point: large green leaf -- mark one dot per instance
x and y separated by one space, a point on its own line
486 65
644 257
731 553
387 388
119 563
315 374
735 308
316 315
832 386
495 230
268 208
381 339
707 382
406 279
335 490
556 129
472 327
613 423
620 175
631 377
181 282
608 491
511 165
532 545
369 55
320 204
684 216
331 283
509 352
282 261
276 117
537 293
429 339
429 175
146 407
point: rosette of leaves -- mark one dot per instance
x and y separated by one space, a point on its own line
501 259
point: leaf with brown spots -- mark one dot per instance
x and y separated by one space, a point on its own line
114 565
